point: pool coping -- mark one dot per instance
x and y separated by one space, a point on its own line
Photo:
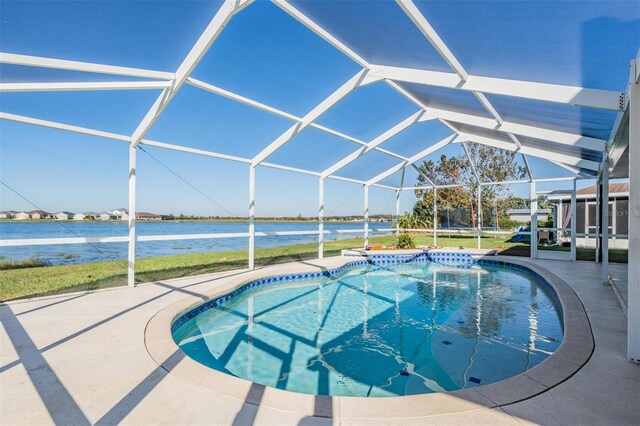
575 350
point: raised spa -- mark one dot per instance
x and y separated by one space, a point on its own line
379 330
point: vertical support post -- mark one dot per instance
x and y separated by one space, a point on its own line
321 218
605 219
252 214
598 220
633 311
366 216
404 170
534 220
560 215
479 218
131 255
574 220
398 212
435 216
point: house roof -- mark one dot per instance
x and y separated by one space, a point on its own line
147 214
614 188
37 212
590 191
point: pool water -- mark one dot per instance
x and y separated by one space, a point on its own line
378 331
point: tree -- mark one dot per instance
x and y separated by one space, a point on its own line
491 164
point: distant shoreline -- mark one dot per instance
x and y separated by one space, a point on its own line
188 221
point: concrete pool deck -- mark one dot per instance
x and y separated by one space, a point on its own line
82 359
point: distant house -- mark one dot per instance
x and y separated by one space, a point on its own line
524 215
88 215
586 214
119 214
22 216
148 216
63 215
39 214
116 214
7 214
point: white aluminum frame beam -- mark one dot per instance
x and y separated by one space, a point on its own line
374 143
196 151
339 94
283 114
427 30
436 146
556 93
505 182
63 64
321 32
471 162
432 36
612 100
124 138
497 123
61 126
527 166
227 11
535 152
572 169
83 86
417 169
239 98
535 132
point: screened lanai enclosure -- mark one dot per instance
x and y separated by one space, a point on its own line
400 82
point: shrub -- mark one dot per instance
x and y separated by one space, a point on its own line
405 241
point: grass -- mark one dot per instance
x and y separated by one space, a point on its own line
35 280
20 264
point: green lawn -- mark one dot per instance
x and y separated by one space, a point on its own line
37 281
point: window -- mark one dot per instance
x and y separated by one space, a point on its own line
622 216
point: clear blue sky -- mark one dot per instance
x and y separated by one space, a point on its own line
266 55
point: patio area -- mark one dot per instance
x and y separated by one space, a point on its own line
55 349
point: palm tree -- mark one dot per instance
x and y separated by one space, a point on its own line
412 221
405 221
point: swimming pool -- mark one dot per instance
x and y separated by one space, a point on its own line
378 329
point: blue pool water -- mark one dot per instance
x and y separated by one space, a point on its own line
383 330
